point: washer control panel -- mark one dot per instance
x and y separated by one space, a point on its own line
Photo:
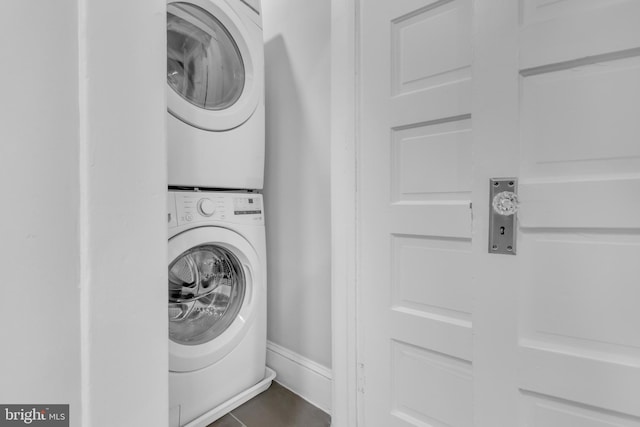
200 206
247 205
172 217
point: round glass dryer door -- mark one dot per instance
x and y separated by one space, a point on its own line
206 290
204 63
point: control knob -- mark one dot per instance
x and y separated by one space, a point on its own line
206 207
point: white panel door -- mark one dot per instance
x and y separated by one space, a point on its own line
451 335
414 191
556 103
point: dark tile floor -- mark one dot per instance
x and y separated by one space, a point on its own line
276 407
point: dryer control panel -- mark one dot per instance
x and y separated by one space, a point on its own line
192 207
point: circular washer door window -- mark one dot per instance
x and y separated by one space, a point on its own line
204 64
206 291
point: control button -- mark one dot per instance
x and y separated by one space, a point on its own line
206 207
188 217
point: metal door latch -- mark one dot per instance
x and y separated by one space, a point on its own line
503 201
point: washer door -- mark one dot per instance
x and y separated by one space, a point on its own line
212 295
211 64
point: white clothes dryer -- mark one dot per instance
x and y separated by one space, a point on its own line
215 95
216 302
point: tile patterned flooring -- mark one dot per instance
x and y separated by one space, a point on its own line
275 407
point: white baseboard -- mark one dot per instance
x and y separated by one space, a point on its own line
303 376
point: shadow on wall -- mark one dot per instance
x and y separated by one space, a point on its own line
297 194
285 124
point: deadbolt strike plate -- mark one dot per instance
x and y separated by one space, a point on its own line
502 228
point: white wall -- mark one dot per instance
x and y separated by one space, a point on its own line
39 236
297 193
82 223
124 196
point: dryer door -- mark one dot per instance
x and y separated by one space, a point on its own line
212 295
212 59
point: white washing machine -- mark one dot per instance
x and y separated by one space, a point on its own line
217 304
215 96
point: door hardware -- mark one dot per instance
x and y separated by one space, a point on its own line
503 201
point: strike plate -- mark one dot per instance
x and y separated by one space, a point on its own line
502 228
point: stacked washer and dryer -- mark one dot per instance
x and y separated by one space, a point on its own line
217 250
